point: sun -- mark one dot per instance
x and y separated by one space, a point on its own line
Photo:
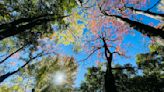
59 78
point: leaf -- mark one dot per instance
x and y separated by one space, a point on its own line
74 31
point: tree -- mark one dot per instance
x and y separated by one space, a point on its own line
108 30
105 39
4 76
126 80
54 74
11 89
29 23
94 80
126 77
152 66
37 20
131 13
50 74
31 52
152 63
31 16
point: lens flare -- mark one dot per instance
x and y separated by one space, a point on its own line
59 78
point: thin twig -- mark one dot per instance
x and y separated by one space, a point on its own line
12 54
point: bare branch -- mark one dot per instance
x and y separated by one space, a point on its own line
121 68
3 77
146 12
154 5
117 53
92 39
12 54
91 53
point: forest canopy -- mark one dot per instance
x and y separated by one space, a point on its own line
81 45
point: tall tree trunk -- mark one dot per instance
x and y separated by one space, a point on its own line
109 77
23 24
33 90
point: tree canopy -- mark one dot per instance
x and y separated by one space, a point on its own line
42 43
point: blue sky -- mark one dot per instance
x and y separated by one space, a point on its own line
138 44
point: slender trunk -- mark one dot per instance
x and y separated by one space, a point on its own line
3 77
18 26
33 90
109 78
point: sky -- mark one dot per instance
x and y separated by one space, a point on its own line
138 44
135 43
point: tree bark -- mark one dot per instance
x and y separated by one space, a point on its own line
109 77
23 24
142 28
33 90
145 29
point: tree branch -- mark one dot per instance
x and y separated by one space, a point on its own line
154 5
121 68
144 11
23 24
12 54
91 54
147 10
143 28
3 77
117 53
